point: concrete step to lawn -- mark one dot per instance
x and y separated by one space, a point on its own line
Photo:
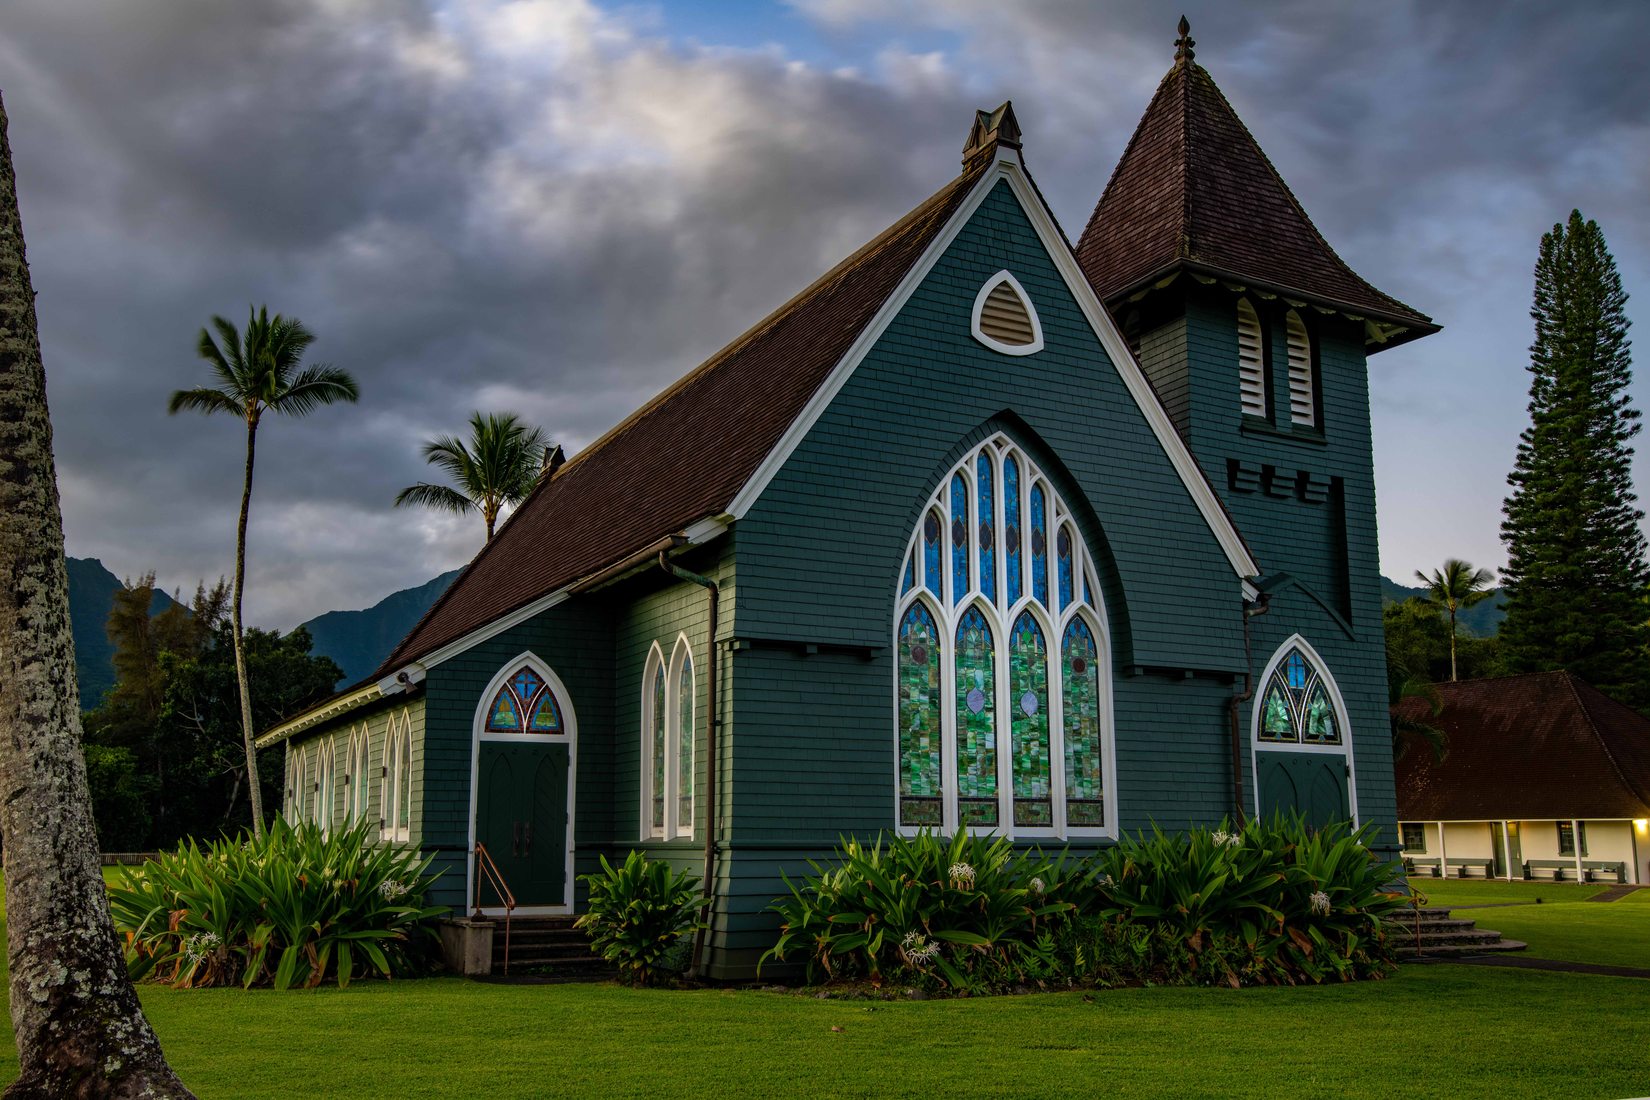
1433 933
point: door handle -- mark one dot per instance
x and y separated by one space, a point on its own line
527 836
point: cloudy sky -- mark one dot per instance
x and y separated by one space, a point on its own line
557 207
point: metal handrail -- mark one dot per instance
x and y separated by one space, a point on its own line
486 868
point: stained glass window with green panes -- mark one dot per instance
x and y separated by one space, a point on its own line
1320 727
921 800
684 748
1276 723
976 664
1080 716
1028 702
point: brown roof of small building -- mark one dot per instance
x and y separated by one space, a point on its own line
1195 190
1542 746
684 455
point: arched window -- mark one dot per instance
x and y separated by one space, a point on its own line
395 796
524 704
1002 672
669 724
325 775
1303 395
1295 706
1251 360
356 772
294 784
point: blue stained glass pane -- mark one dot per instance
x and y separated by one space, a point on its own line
1039 545
988 529
931 528
1011 526
910 574
959 538
1294 670
1064 553
1088 597
527 684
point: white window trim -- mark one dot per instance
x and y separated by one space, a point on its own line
1252 375
569 736
1303 410
294 785
1006 276
396 785
1344 749
674 828
325 775
1053 624
358 775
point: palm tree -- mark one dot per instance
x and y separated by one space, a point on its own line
258 371
79 1027
498 466
1454 588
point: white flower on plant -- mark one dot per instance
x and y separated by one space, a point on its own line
1038 886
1320 903
394 889
962 876
919 949
1107 881
200 945
1226 839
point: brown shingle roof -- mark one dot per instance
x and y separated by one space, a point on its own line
1195 189
1542 746
684 455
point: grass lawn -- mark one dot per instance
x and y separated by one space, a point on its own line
1440 1030
1563 925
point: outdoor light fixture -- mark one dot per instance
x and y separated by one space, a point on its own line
1641 824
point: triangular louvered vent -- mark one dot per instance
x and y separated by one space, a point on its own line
1303 406
1251 361
1004 319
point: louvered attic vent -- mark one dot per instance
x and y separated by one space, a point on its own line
1004 319
1251 361
1303 404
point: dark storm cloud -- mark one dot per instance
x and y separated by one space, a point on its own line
540 205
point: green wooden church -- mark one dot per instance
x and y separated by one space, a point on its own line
981 529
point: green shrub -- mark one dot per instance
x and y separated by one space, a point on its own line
289 909
1272 902
639 916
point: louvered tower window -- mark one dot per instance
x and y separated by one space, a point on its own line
1004 319
1251 361
1303 404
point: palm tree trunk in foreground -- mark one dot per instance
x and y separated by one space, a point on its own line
80 1030
254 788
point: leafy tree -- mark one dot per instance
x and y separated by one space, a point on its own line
1454 587
1408 730
1576 574
79 1027
1418 638
497 467
259 371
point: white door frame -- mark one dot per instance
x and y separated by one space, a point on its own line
1344 749
478 734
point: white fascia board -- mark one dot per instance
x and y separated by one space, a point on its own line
1007 167
342 704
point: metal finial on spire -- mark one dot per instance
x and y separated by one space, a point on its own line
1183 45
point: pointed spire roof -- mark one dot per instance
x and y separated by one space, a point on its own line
1195 192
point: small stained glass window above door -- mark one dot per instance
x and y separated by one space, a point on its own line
524 704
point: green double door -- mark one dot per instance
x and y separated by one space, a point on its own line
1314 783
522 818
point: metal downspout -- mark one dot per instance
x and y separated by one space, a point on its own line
699 965
1262 604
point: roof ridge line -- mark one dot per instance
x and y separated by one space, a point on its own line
1571 679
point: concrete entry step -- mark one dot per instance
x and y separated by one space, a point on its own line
1434 933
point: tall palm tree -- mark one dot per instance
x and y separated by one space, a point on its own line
498 466
1454 588
258 371
79 1027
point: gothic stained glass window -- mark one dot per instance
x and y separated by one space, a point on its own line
921 799
1028 703
684 747
1295 707
1080 710
976 665
1011 528
1039 545
988 533
994 722
1063 566
525 704
658 735
932 527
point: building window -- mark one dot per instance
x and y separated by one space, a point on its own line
1251 361
1414 836
524 704
1002 671
356 771
1295 706
1303 389
1567 837
325 775
294 785
395 793
669 725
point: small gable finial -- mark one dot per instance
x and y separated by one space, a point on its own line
1183 53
